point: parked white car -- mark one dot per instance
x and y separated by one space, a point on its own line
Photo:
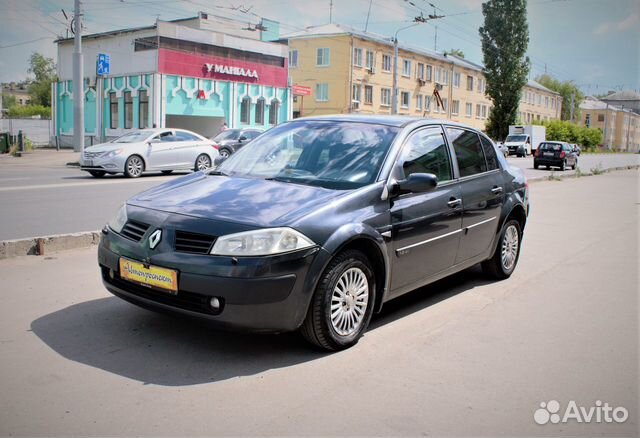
148 150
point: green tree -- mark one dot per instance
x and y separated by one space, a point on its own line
505 37
8 101
566 89
44 70
457 52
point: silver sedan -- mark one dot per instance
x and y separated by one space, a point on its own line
163 150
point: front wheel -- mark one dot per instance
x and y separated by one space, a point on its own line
133 167
225 153
505 258
342 304
203 162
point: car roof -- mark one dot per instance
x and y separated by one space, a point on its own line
390 120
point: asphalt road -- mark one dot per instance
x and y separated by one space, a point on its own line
463 357
39 196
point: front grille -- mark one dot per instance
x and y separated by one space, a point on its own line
193 243
183 300
92 155
134 230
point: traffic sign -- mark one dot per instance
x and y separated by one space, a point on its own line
103 66
300 90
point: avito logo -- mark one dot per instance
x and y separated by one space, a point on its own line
600 413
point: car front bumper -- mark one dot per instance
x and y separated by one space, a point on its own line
263 294
113 164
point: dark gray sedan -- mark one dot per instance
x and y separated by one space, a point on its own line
555 154
318 222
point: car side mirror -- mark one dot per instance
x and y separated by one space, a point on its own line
416 183
242 138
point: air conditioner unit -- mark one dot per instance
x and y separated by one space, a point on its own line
371 71
421 82
439 86
355 105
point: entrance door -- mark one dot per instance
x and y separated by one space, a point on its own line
425 226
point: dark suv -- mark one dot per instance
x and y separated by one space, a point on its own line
230 140
317 223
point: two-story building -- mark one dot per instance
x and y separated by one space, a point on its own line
180 74
620 126
350 71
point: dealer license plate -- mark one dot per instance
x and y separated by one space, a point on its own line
154 276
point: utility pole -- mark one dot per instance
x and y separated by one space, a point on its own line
606 126
330 11
78 82
366 24
394 93
435 40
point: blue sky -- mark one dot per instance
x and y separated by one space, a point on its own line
596 43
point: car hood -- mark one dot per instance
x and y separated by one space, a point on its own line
250 201
107 147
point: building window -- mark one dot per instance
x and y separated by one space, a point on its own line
406 68
478 110
445 105
293 58
420 71
370 59
128 110
427 103
456 80
322 92
438 73
600 117
455 106
357 57
113 110
143 109
469 110
546 101
273 112
322 57
419 102
355 95
445 76
429 73
484 112
479 86
404 99
385 97
260 112
386 63
368 94
539 99
245 108
469 83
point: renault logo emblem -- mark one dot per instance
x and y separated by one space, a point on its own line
154 239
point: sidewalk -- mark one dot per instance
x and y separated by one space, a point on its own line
41 158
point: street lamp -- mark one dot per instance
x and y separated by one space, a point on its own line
394 97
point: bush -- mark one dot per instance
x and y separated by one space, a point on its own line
28 111
559 130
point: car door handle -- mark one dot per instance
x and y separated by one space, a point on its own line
454 202
496 190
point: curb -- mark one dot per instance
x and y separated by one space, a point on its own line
46 244
554 177
60 242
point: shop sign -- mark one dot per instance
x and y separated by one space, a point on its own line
229 70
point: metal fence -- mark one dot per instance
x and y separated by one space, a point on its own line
39 131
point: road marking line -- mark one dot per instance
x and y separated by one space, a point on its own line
82 184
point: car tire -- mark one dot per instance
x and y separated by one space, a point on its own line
97 173
225 153
166 172
575 164
134 166
336 319
563 165
505 258
203 162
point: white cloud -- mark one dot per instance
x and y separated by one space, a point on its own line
630 22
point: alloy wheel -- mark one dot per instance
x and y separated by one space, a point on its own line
134 166
203 162
349 301
510 248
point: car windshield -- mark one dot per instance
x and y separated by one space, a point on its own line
550 146
227 134
334 155
133 137
516 138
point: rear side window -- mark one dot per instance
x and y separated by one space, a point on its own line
468 150
489 153
427 152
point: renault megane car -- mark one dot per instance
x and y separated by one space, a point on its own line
317 223
163 150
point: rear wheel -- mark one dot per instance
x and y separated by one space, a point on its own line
503 262
203 162
134 166
342 304
97 173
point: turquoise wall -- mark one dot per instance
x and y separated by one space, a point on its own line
269 93
182 105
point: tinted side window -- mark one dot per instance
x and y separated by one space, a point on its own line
251 134
185 136
427 152
468 151
489 153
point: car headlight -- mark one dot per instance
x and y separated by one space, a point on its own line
112 153
117 223
261 242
